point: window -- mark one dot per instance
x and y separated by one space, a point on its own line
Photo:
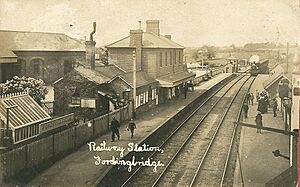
160 59
180 57
175 53
153 94
141 99
75 100
171 58
166 58
146 97
36 68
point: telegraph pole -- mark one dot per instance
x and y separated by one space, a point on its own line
287 57
134 85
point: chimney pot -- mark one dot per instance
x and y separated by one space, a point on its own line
136 37
152 26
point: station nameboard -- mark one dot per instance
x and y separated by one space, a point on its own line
55 123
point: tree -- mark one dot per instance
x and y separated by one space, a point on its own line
209 51
103 55
36 87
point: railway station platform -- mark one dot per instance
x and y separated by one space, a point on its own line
79 169
257 163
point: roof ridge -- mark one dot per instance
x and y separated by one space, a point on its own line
32 32
117 41
164 38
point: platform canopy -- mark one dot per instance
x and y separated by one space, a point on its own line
176 79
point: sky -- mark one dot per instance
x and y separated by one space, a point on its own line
190 22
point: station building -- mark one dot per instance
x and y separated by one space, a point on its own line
47 56
157 57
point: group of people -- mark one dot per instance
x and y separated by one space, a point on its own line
263 104
115 126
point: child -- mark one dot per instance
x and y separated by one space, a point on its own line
131 126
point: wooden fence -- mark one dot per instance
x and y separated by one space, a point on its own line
33 157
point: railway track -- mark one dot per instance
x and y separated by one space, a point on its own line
189 143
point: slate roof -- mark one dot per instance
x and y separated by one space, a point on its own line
150 40
100 75
143 78
37 41
26 112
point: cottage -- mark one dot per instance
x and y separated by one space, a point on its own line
85 89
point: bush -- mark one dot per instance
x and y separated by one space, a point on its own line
35 87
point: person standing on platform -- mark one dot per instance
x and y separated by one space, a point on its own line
251 98
185 90
258 121
114 126
131 126
246 108
275 105
248 97
257 95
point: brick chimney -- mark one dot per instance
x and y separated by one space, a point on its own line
90 49
152 26
136 40
168 36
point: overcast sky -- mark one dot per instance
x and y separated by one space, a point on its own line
190 22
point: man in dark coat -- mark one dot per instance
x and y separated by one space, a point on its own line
251 98
248 98
258 121
131 126
246 108
185 90
114 126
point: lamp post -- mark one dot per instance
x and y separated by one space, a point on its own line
134 85
127 100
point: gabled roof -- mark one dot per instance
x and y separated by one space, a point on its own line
150 40
24 111
38 41
142 79
101 74
272 79
110 70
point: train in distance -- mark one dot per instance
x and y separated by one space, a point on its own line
260 67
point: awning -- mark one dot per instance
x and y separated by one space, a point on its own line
175 79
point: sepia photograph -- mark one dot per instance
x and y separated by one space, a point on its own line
144 93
